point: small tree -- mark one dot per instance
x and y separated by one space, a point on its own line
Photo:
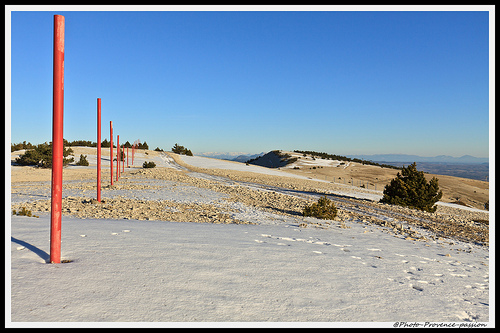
323 209
105 144
177 149
148 164
181 150
83 160
411 189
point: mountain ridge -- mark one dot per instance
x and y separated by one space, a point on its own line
465 159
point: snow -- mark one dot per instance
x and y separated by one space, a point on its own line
147 271
212 163
130 273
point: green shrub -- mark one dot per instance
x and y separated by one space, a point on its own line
83 160
41 156
181 150
411 189
149 165
323 209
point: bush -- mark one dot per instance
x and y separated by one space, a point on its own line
323 209
411 189
20 146
23 212
181 150
148 164
41 156
83 160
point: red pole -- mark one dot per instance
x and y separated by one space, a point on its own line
127 158
99 150
123 162
133 148
57 140
111 150
117 157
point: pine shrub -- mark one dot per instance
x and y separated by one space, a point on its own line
181 150
149 165
41 156
323 209
411 189
83 160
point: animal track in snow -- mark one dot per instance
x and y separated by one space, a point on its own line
416 287
291 239
458 275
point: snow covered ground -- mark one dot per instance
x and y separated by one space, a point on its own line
132 273
146 271
212 163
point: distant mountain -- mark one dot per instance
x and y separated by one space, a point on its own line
466 159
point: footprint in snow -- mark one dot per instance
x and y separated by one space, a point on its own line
416 287
458 275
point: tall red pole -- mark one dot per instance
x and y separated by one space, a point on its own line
111 150
123 162
117 157
99 150
57 140
127 158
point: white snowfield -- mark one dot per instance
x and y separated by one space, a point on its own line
130 273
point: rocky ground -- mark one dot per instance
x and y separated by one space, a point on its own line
277 195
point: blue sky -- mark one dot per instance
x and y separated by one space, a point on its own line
342 82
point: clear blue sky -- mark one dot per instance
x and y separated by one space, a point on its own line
413 82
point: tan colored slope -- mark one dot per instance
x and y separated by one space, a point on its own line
469 191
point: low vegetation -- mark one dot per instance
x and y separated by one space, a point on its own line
323 209
149 164
23 212
411 189
41 156
181 150
78 143
83 160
